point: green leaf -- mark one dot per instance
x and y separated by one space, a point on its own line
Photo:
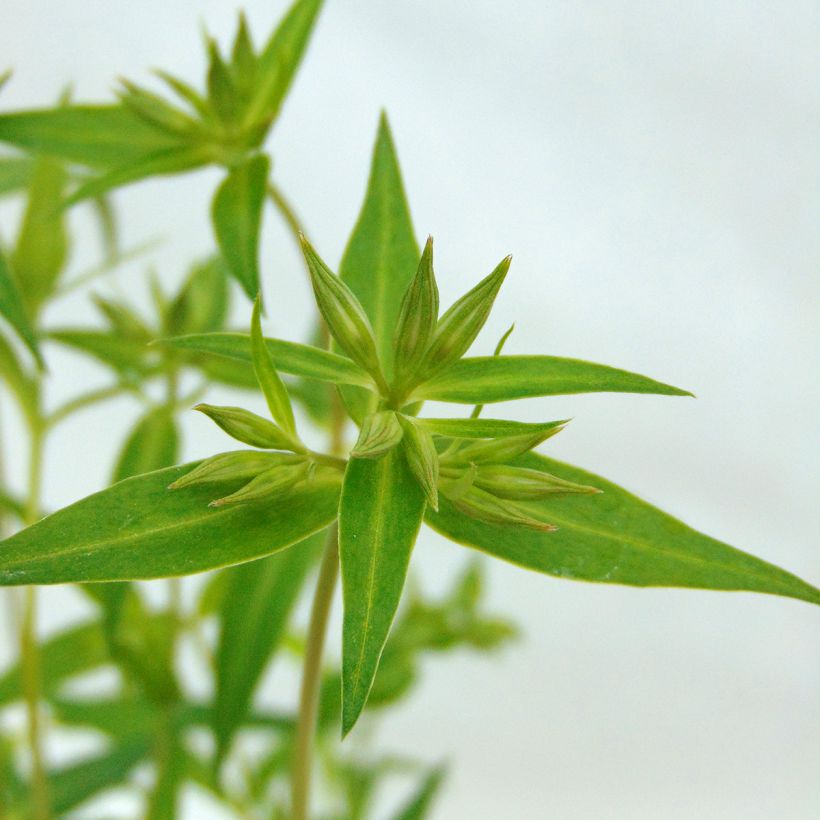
422 457
382 255
255 611
379 518
420 803
124 355
140 529
276 395
616 538
289 357
12 372
487 379
100 136
221 89
152 445
486 428
462 322
237 217
202 303
15 174
74 651
280 59
42 244
13 308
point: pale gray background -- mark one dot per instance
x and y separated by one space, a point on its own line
653 166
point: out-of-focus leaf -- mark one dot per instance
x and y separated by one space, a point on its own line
289 357
255 610
9 505
74 651
202 303
381 257
15 174
616 538
140 529
487 379
126 356
279 60
151 445
42 244
379 518
12 372
13 307
99 136
237 217
419 805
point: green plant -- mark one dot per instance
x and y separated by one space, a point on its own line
271 514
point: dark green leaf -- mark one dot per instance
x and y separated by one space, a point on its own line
379 517
152 445
13 308
255 611
237 217
289 357
140 529
616 538
487 379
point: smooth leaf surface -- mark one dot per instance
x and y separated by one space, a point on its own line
237 217
289 357
140 529
487 379
486 428
276 395
254 614
617 538
379 518
13 308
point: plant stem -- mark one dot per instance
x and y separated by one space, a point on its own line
286 210
29 650
311 678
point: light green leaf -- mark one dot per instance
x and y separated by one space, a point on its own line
152 445
616 538
486 428
140 529
122 354
254 614
249 428
237 216
420 803
13 308
15 174
379 518
382 255
100 136
422 457
279 60
289 357
487 379
12 372
276 395
42 244
380 432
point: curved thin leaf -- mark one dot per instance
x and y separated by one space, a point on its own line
140 529
13 308
616 538
487 379
486 428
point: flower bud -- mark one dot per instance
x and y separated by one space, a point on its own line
422 457
478 504
232 466
458 327
454 485
274 481
522 483
251 429
418 315
344 315
380 432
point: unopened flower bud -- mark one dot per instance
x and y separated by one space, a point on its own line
272 482
380 433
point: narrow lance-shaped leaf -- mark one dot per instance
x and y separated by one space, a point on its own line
462 322
488 379
486 428
237 217
379 518
289 357
343 313
140 529
276 395
381 256
419 805
616 538
13 308
254 614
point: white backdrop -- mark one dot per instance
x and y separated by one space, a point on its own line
653 167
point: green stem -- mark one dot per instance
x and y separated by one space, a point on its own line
29 650
311 678
286 210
